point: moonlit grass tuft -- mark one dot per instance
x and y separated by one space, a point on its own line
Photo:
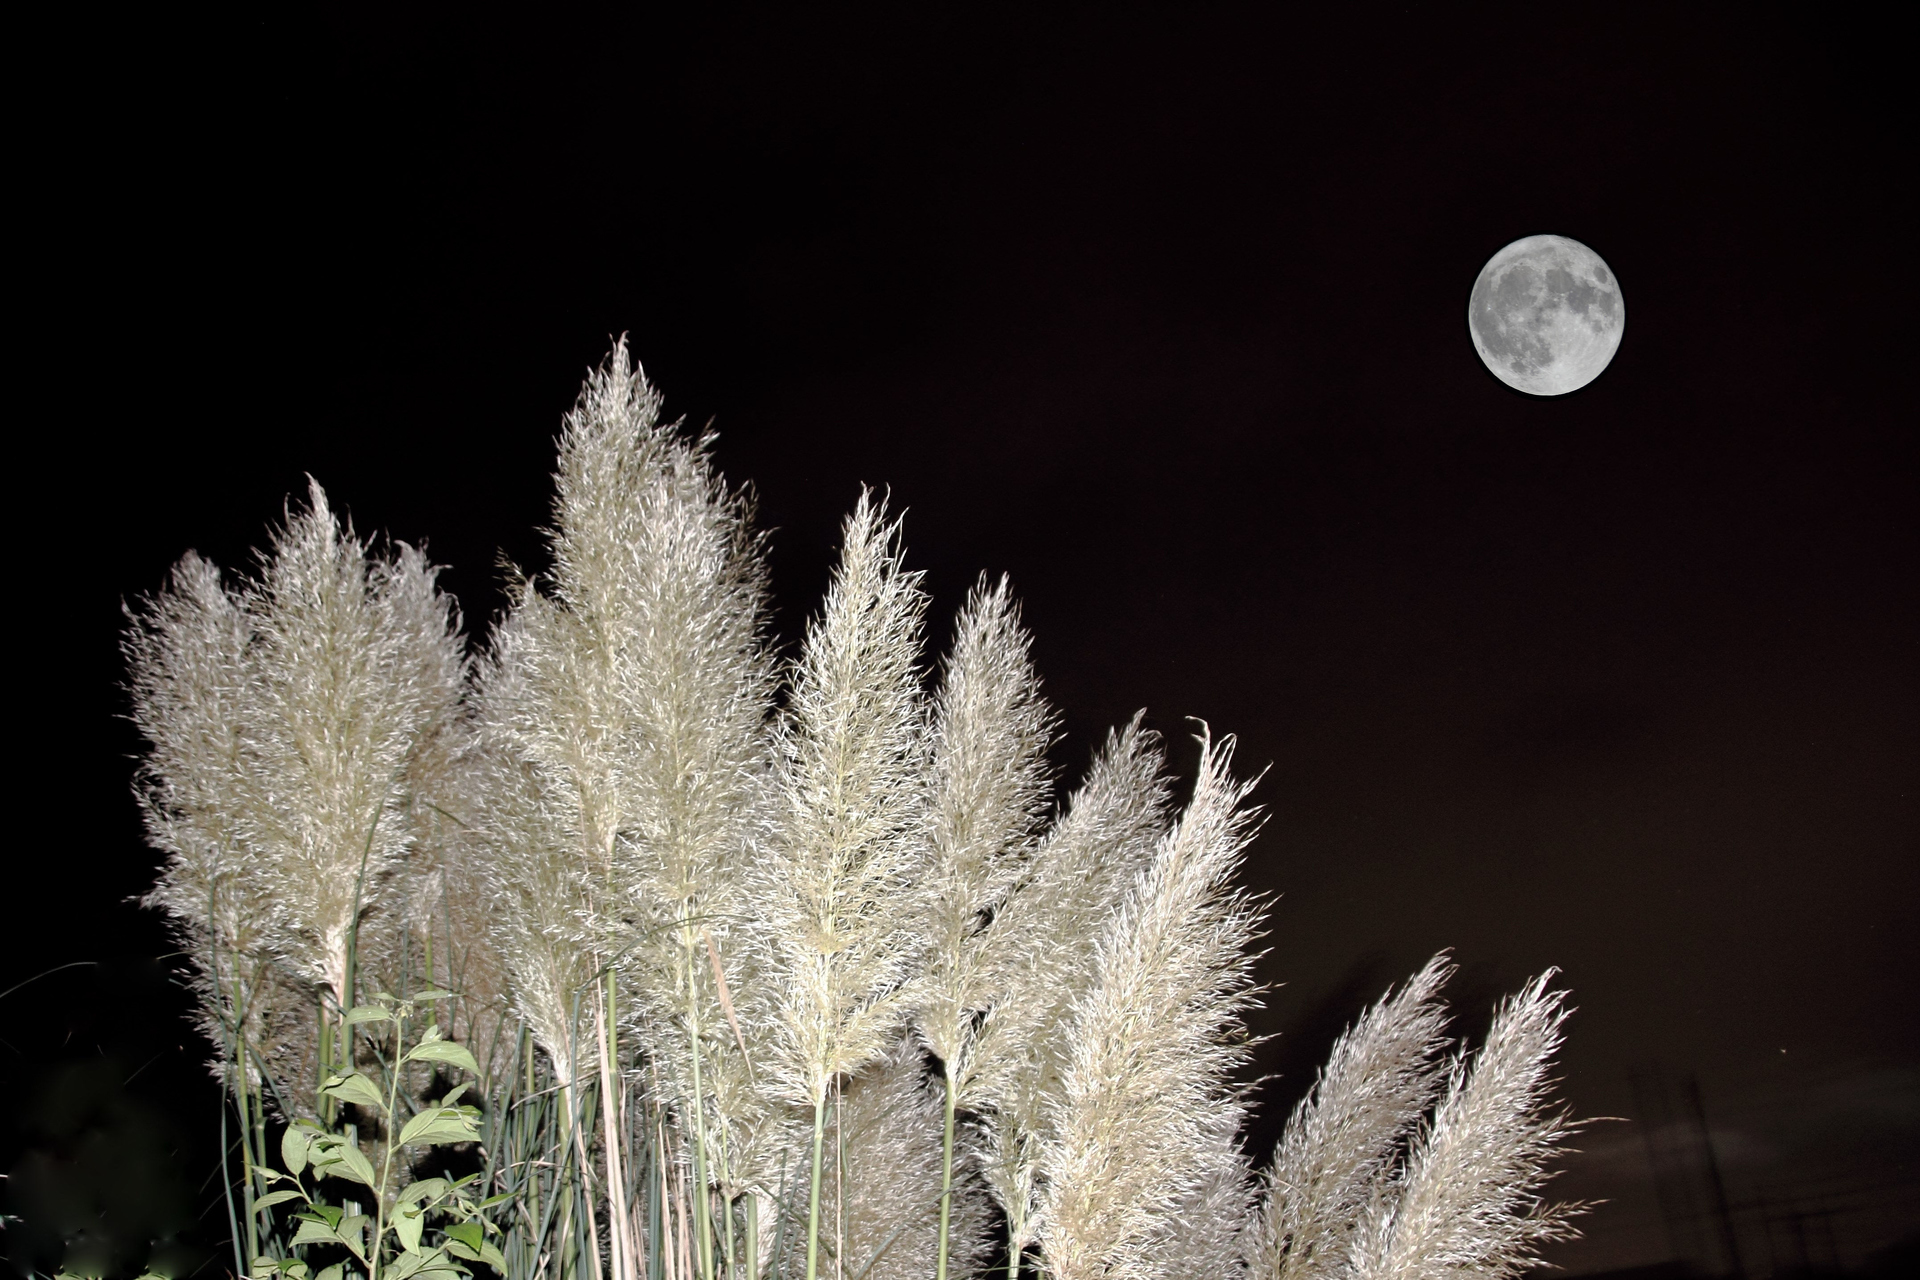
816 973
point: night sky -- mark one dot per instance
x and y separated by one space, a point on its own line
1160 310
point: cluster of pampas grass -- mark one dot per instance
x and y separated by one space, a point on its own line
777 967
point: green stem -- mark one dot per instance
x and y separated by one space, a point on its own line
246 1135
730 1267
260 1121
386 1166
618 1236
753 1236
813 1195
946 1175
329 1107
240 1267
698 1203
563 1239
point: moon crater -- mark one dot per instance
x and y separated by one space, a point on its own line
1546 315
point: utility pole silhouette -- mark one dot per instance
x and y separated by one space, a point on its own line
1686 1172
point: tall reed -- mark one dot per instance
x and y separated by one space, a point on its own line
991 730
760 968
844 887
1147 1087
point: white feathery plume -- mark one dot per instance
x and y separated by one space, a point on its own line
792 905
357 668
1146 1088
186 650
289 777
641 701
658 559
989 788
1348 1133
451 923
1042 947
533 889
842 889
1202 1236
1469 1199
843 905
991 730
638 689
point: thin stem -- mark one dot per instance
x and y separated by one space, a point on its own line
226 1182
729 1268
329 1107
619 1238
671 1253
840 1180
386 1165
586 1192
246 1126
813 1195
753 1236
946 1174
704 1230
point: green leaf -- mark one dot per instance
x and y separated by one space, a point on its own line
293 1148
342 1159
444 1051
353 1230
442 1124
326 1213
432 993
467 1233
356 1089
267 1266
367 1013
482 1251
338 1271
468 1240
425 1189
273 1198
431 1263
312 1232
408 1222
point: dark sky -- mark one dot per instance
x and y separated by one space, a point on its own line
1159 310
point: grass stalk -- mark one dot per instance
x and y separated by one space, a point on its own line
386 1165
246 1126
700 1206
946 1174
226 1182
813 1192
619 1238
671 1252
577 1123
752 1242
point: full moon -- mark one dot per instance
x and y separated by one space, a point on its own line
1546 315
